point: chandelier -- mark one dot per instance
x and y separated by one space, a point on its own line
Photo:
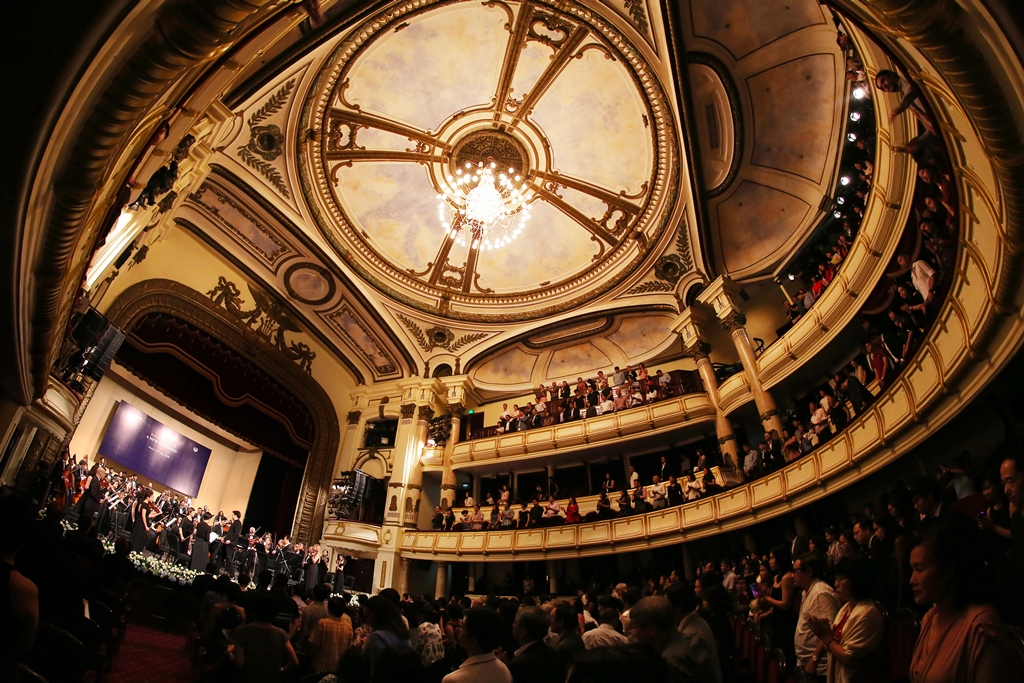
481 209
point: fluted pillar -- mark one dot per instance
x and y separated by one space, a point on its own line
691 325
471 584
724 296
403 579
457 411
723 428
442 580
735 323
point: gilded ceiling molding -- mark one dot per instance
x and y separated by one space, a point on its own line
326 111
266 141
174 298
438 337
184 38
315 253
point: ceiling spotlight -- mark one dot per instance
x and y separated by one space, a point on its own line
840 200
845 180
852 137
837 214
792 277
859 93
855 116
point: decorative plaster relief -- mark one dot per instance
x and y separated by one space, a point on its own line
358 335
246 228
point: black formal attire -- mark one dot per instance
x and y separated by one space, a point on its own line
568 646
675 494
91 500
665 472
313 573
230 542
536 515
339 575
187 529
138 539
201 547
437 522
537 663
449 519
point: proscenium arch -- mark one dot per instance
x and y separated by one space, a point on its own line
174 298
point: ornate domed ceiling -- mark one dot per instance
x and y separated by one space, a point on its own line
558 95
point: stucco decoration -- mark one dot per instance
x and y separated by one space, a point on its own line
394 110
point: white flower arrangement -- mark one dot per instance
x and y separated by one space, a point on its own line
151 564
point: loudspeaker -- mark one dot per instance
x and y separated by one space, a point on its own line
98 358
89 328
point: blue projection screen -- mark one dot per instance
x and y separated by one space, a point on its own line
154 450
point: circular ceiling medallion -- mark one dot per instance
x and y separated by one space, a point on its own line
555 92
309 283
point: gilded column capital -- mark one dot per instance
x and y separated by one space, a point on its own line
408 410
698 351
425 413
353 417
734 321
457 410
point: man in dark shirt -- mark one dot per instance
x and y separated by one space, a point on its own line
536 514
534 661
564 624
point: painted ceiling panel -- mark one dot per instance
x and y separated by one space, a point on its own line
419 75
515 366
755 221
582 360
594 119
743 26
639 336
795 136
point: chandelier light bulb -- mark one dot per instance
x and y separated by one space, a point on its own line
486 210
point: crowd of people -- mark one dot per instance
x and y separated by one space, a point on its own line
620 389
825 597
820 260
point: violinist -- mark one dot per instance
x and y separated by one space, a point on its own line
186 529
232 534
141 519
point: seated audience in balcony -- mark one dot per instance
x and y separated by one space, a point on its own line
752 467
524 516
508 516
674 491
552 509
851 641
572 511
536 513
625 503
657 495
494 520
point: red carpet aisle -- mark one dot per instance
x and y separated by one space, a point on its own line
152 656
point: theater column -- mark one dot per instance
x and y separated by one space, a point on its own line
457 411
691 326
442 580
724 296
403 580
349 444
553 577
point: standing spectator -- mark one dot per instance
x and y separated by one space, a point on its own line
480 636
331 637
851 641
605 634
534 661
819 602
260 649
565 626
652 623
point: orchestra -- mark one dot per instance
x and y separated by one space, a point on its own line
162 523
